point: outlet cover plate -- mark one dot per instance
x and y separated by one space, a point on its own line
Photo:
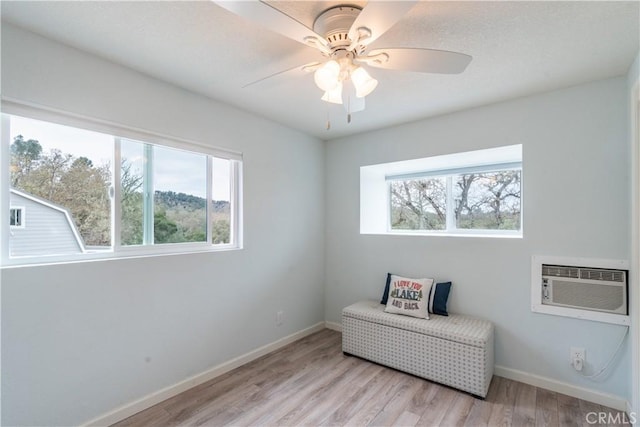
577 353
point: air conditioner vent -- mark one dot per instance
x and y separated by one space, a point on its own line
584 288
603 275
560 271
594 297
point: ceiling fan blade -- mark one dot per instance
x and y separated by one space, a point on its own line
271 18
378 17
306 68
419 60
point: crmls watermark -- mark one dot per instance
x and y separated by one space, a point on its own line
611 418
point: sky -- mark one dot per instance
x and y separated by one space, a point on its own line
175 170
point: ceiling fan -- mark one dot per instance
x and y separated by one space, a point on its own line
342 35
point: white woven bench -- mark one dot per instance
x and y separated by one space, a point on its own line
454 350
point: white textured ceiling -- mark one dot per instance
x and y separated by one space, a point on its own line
518 48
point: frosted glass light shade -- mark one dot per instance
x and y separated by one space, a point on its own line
363 82
326 77
334 95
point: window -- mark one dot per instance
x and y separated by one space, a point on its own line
479 201
16 217
472 193
160 206
418 204
162 197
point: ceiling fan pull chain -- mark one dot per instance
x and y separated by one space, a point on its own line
349 109
328 118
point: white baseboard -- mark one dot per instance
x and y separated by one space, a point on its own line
600 398
333 326
154 398
149 400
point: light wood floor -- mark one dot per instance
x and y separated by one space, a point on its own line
310 382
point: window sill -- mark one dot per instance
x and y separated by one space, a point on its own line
473 234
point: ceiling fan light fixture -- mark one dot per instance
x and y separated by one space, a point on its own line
326 77
334 95
343 34
363 82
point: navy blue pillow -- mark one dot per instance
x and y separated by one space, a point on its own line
437 298
385 294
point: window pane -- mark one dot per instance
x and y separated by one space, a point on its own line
62 176
131 192
488 201
418 204
221 208
15 217
180 207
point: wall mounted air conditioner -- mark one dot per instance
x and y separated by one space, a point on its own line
581 288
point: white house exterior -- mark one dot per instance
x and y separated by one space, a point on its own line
39 227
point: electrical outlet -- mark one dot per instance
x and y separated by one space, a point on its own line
576 353
279 318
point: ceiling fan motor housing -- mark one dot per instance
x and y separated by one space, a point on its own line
335 23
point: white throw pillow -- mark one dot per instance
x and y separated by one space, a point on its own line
409 296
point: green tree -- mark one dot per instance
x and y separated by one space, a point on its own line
131 205
221 231
24 156
164 229
44 180
84 189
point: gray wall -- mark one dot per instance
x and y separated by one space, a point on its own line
81 339
576 204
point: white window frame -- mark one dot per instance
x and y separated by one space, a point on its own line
375 209
448 175
120 132
20 209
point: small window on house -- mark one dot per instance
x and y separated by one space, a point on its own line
16 217
476 193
